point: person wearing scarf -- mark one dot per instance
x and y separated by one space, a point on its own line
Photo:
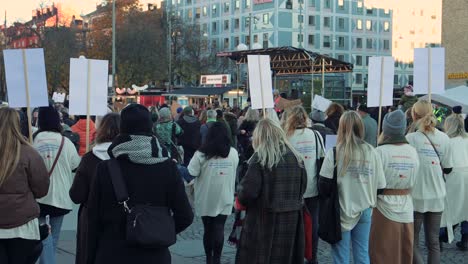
151 177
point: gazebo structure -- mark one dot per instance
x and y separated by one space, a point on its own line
294 61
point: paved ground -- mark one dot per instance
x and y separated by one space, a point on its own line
189 248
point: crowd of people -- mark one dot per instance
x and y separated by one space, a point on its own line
147 172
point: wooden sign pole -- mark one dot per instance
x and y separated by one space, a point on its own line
429 83
261 87
28 98
88 90
381 94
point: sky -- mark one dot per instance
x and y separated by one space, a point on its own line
21 10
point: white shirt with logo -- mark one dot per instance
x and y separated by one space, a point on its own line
429 189
358 186
303 141
400 163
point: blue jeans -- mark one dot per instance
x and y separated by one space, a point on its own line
359 236
50 243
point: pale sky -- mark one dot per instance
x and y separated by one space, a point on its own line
21 10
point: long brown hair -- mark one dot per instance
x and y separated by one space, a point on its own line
334 108
297 118
11 140
108 129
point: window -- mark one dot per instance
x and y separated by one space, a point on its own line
326 42
300 38
213 10
341 42
327 4
214 44
359 24
370 11
246 22
395 79
369 43
369 25
265 40
300 19
326 22
237 4
397 64
247 3
359 4
410 65
341 4
312 40
226 24
341 23
410 78
236 24
204 11
341 57
226 43
386 44
312 3
359 43
188 2
358 78
255 38
226 7
198 12
311 20
214 27
386 26
236 41
247 40
387 11
367 60
359 60
266 19
190 14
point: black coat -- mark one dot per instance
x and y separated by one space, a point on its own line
333 122
79 193
158 184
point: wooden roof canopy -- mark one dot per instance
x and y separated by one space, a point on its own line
292 61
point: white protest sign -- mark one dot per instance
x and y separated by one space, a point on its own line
330 141
58 97
22 79
92 73
429 71
380 83
321 103
261 88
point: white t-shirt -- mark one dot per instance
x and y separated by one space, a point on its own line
303 140
357 188
214 183
429 189
47 144
29 231
400 163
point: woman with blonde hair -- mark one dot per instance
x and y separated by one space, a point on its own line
359 174
310 144
272 191
457 180
428 193
23 178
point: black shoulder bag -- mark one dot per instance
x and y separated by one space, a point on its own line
438 156
147 226
329 210
318 160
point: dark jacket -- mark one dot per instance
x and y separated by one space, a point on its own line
18 193
323 130
231 120
79 193
333 122
204 130
159 185
273 229
245 140
191 136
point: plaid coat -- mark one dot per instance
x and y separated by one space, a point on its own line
273 229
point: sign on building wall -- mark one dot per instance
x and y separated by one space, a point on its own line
257 2
215 79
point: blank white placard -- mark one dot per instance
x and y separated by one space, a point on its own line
79 86
330 141
261 88
421 70
15 77
321 103
375 78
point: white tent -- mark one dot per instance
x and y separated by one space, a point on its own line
452 97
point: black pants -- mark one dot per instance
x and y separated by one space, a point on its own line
313 207
213 238
19 251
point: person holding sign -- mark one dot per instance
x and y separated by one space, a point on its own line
23 178
310 144
359 175
435 159
393 216
60 156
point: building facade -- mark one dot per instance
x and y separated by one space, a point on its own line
455 41
343 29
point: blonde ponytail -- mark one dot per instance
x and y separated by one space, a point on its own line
423 116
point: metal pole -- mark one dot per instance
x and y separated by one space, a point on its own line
323 77
113 45
169 40
250 31
312 91
238 76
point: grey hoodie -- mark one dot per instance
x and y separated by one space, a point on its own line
100 150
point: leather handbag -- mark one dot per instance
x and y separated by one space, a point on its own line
147 226
329 209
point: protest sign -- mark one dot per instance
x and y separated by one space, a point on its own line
429 71
380 82
58 97
330 141
321 103
260 83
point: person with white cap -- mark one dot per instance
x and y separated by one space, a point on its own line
393 216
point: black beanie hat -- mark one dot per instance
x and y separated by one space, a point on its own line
457 109
363 108
135 119
49 119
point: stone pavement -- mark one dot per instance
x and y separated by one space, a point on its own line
189 248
